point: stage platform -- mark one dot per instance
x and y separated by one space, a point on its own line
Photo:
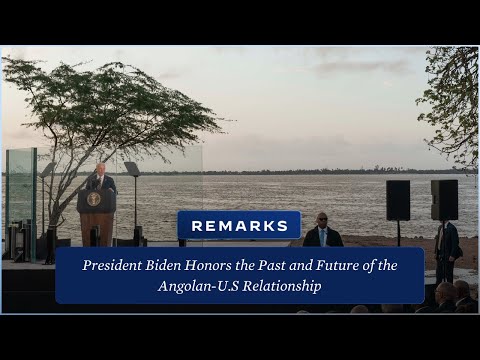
29 288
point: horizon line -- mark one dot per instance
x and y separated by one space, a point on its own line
381 170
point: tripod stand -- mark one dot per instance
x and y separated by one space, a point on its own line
44 174
133 171
46 171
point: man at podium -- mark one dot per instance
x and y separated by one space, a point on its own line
97 205
101 181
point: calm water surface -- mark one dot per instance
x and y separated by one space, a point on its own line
355 204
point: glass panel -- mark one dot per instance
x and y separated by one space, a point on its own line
20 202
45 171
68 223
162 189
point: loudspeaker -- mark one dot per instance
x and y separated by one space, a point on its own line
444 199
398 200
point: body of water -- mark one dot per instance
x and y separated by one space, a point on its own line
355 204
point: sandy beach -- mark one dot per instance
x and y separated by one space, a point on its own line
467 263
468 245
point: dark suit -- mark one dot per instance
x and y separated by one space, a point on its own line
108 183
446 307
467 301
424 310
448 247
313 238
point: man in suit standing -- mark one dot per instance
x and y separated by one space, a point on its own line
446 252
101 181
322 235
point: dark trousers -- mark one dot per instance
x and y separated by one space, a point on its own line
448 271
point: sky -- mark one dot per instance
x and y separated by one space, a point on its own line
295 107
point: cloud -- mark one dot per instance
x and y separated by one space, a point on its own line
387 84
329 52
284 69
119 54
18 53
395 67
229 49
331 60
24 138
171 74
346 52
414 50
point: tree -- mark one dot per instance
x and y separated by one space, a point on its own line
115 108
453 97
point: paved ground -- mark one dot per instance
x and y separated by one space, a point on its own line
10 265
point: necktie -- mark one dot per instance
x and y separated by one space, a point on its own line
99 186
440 242
322 237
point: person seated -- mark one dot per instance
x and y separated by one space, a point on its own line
464 297
471 308
445 295
392 308
423 308
358 309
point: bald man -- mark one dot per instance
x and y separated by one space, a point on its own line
445 296
322 235
463 295
359 309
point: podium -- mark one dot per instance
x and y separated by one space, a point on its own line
96 208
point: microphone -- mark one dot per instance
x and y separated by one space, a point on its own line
94 182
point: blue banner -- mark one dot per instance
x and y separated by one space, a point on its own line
239 224
226 275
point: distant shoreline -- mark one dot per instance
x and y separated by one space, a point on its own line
380 171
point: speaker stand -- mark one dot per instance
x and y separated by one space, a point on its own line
444 279
398 232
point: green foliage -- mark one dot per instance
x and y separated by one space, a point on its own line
116 108
453 99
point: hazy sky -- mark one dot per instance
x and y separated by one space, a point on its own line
295 107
